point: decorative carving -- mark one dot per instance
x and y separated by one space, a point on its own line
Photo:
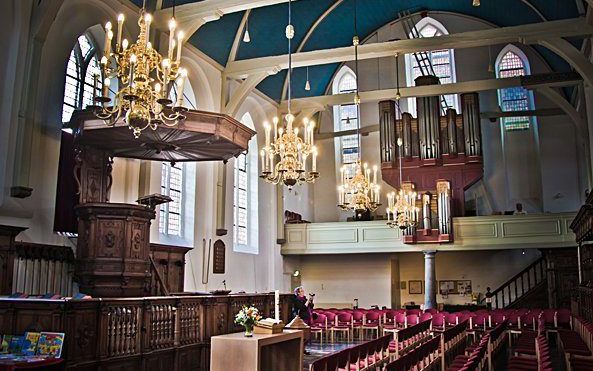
97 273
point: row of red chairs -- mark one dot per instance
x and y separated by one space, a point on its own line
542 362
575 345
480 355
408 338
481 320
366 356
425 356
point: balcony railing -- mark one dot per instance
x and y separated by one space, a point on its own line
469 233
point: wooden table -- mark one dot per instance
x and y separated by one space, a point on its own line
262 352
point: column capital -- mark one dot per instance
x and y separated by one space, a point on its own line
429 253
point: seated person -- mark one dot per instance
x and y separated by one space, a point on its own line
519 209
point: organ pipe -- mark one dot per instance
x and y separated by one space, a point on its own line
444 206
407 135
428 120
426 218
471 124
452 132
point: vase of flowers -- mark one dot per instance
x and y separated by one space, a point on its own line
247 317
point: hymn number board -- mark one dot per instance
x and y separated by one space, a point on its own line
219 257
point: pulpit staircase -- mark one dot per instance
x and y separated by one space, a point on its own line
422 58
527 288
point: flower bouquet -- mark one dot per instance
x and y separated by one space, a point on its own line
247 317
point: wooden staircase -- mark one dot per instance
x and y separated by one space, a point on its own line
525 289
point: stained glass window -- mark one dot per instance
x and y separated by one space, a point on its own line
82 65
441 61
171 213
513 99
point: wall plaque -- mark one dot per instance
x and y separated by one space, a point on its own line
219 257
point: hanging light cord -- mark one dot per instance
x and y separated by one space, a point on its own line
357 97
289 58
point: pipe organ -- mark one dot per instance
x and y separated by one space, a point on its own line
435 147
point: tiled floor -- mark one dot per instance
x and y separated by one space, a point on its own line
317 350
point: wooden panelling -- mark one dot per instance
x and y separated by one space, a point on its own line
478 232
155 333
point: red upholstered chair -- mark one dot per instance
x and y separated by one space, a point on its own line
389 321
412 319
529 320
372 322
400 320
425 317
357 319
438 322
319 326
343 326
496 318
431 311
414 311
450 319
563 319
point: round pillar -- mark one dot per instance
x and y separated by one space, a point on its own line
430 283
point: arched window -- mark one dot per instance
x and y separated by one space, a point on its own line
512 62
245 197
82 65
441 63
346 118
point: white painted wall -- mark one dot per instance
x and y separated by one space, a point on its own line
338 279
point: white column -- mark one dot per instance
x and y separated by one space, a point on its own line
430 283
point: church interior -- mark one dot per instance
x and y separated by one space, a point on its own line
296 185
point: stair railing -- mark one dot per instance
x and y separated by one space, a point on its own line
520 284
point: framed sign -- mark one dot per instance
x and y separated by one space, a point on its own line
415 287
218 264
447 287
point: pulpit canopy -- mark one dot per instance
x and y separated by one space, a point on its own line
202 136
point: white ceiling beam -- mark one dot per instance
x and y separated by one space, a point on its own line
366 130
529 82
526 34
192 16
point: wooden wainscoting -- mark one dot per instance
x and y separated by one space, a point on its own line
153 333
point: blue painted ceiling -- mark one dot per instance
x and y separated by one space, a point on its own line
266 27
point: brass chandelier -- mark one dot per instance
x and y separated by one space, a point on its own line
144 79
284 159
357 191
401 210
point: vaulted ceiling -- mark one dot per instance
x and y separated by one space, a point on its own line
335 29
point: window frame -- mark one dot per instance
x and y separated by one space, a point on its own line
339 121
236 206
82 64
507 125
165 212
410 61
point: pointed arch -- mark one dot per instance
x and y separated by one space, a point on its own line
345 118
442 61
512 61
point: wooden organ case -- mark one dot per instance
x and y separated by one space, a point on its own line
441 156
